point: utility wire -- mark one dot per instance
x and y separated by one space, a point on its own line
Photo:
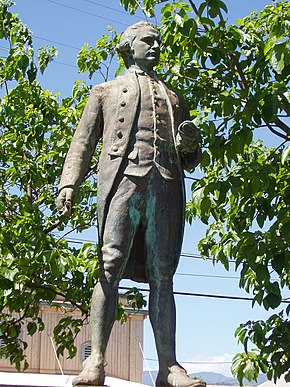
64 64
87 13
202 295
197 362
59 43
184 255
111 8
189 274
206 275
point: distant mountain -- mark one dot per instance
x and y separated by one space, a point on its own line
209 378
219 379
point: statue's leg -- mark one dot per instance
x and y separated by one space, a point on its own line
163 240
120 227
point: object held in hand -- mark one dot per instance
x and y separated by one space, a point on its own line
66 210
187 137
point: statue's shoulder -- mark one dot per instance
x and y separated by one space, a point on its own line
114 83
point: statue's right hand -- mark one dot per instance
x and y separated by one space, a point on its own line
64 201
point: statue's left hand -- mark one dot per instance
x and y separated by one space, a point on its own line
187 137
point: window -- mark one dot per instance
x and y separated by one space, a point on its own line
86 350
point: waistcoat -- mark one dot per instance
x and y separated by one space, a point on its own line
152 143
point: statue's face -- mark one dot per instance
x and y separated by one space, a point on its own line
146 48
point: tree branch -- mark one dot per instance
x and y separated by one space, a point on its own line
283 126
193 6
52 227
58 293
239 70
275 150
220 15
69 232
277 133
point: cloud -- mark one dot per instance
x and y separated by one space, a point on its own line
219 363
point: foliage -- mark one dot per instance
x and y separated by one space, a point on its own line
91 59
236 81
37 263
269 337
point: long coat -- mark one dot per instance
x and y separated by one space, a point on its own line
110 114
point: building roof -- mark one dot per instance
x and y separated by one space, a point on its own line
12 379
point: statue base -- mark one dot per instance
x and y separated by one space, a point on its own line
88 385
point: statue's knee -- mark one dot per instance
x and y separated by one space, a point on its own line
162 275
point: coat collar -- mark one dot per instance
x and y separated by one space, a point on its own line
136 70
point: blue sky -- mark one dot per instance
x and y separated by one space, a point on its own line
205 326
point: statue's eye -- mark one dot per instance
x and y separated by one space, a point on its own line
148 40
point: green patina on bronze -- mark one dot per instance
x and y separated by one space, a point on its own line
147 141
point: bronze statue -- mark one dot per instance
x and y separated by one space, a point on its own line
147 140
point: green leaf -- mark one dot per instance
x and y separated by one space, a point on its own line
278 264
179 20
31 328
285 154
270 108
277 57
271 301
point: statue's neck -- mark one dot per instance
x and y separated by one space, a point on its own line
140 69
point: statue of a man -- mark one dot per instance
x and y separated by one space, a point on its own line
147 140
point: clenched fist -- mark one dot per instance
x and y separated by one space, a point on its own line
64 201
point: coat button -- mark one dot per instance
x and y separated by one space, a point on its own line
119 134
121 119
123 103
115 148
125 90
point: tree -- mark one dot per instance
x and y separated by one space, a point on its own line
236 79
37 263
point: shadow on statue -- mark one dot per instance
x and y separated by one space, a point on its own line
147 141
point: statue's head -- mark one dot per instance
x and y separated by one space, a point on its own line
140 45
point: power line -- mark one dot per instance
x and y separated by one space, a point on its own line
197 362
59 43
87 13
206 275
184 255
80 241
111 8
180 274
188 255
64 64
219 296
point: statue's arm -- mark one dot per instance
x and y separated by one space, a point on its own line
82 147
187 140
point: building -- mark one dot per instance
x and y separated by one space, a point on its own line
124 356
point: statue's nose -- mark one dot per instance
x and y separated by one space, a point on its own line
156 44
